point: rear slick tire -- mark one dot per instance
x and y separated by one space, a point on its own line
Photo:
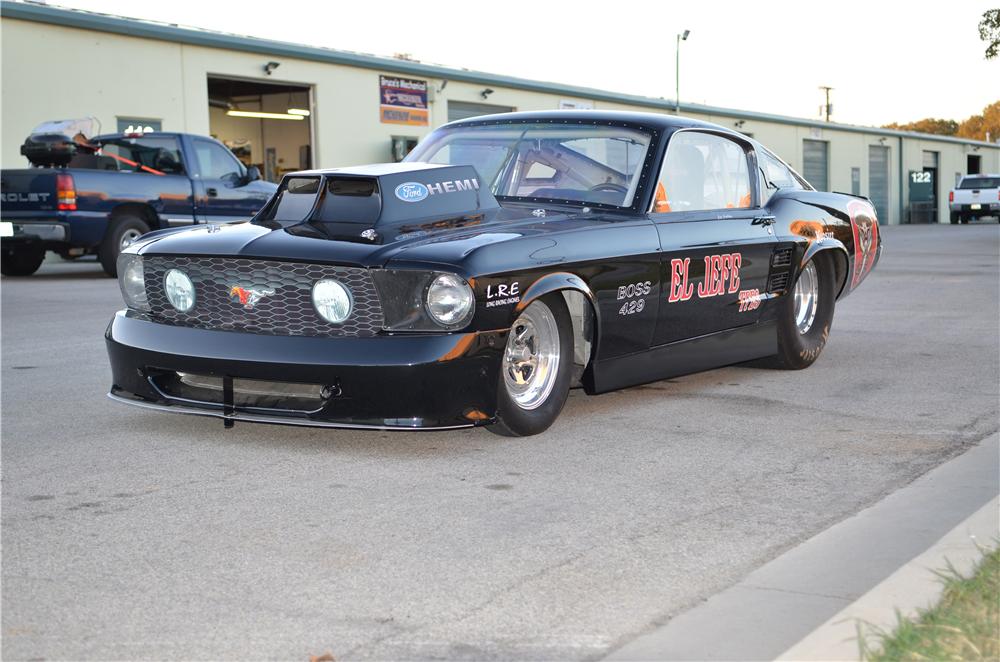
806 316
535 369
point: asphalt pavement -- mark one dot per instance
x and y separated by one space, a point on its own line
134 534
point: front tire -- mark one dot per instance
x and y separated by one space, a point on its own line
123 231
22 261
535 369
806 316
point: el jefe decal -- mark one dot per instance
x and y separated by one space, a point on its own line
722 276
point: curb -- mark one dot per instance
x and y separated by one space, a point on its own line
913 586
783 602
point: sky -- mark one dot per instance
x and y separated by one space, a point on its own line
887 61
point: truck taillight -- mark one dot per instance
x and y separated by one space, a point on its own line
65 193
951 196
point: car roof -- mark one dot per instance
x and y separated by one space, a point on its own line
655 120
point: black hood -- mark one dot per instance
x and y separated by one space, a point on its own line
361 216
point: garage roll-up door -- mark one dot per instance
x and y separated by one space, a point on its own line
878 180
459 110
814 164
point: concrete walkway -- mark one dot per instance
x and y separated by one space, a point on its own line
780 604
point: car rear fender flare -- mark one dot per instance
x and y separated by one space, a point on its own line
575 291
841 262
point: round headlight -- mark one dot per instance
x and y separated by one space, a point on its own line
450 300
332 300
132 281
179 290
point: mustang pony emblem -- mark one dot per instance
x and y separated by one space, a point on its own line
248 297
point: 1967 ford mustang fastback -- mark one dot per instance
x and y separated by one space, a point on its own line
509 258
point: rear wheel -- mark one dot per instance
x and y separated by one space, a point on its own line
535 369
806 315
123 231
955 217
22 261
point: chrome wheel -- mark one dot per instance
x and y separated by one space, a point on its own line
531 359
806 298
129 236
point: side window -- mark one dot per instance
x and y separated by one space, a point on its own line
703 171
151 155
774 175
216 162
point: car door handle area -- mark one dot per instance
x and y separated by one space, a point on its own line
767 219
212 192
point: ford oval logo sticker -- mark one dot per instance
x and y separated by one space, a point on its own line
411 192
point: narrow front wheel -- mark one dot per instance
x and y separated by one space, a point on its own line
535 369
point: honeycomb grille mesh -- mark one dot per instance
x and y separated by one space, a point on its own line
288 311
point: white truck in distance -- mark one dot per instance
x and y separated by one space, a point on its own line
974 197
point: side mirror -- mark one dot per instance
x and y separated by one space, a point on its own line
253 174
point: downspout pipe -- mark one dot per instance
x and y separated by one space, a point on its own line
902 205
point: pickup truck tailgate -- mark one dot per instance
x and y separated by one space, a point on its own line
26 190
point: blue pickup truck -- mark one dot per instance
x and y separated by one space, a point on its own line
119 188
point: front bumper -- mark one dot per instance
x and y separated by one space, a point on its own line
402 381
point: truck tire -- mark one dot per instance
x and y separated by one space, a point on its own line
22 261
123 231
955 218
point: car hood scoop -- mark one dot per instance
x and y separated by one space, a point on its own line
371 204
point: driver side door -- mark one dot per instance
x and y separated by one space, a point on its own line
716 240
221 186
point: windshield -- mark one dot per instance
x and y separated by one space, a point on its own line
577 164
980 182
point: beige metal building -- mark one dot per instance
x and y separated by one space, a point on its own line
284 106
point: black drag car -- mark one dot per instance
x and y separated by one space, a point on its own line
508 259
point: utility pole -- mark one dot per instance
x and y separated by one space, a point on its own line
677 73
827 109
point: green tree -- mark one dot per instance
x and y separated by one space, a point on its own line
989 31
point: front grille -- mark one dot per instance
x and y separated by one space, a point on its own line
288 311
778 282
782 257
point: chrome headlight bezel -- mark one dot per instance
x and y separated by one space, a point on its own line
132 281
403 297
449 301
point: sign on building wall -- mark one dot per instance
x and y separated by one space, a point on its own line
921 186
575 104
403 101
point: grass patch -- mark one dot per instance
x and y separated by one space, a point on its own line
964 625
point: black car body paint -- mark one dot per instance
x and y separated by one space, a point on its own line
664 293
